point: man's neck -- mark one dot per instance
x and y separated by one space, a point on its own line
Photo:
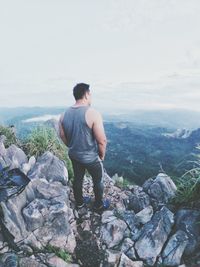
78 104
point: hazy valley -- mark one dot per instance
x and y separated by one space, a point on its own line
139 144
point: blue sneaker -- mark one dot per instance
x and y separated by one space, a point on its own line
86 200
103 207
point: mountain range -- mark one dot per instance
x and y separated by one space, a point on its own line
139 143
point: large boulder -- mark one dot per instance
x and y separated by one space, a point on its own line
12 157
128 216
113 230
161 189
154 235
188 220
172 254
144 215
39 216
138 199
50 167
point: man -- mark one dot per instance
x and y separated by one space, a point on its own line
81 129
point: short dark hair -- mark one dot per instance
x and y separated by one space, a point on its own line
80 89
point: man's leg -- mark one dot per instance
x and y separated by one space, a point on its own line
79 171
96 170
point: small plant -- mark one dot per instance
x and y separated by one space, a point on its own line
121 181
61 253
40 140
188 185
44 139
9 134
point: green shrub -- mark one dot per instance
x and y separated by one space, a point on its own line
121 182
10 136
188 185
61 253
44 139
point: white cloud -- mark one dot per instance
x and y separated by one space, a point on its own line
42 118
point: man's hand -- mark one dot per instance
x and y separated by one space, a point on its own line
102 158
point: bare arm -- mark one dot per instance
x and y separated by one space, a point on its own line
61 131
99 134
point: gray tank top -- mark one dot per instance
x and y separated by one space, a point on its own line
81 142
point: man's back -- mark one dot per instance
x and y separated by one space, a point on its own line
80 137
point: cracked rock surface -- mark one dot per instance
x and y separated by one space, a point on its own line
41 227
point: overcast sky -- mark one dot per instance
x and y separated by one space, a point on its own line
135 54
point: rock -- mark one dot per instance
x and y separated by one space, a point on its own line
138 200
56 262
26 249
17 156
113 232
128 216
5 249
40 215
28 262
2 147
34 213
108 216
3 163
126 262
12 157
161 189
1 240
188 221
9 260
2 138
154 235
50 167
128 248
86 225
26 167
113 257
174 249
144 215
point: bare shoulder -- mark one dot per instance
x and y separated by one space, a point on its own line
92 116
93 113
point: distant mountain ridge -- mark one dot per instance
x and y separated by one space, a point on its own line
174 118
136 147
